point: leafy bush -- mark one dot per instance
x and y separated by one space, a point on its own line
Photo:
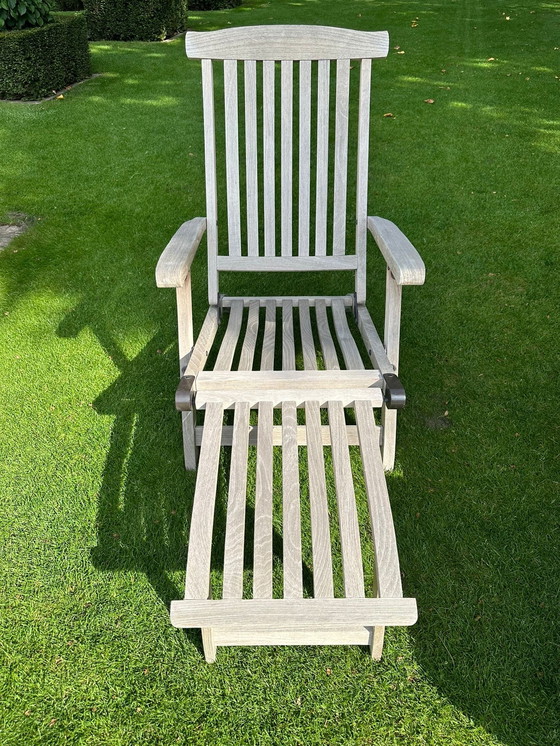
69 4
18 14
36 61
141 20
213 4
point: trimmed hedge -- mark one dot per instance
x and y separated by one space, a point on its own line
36 61
135 20
213 4
69 4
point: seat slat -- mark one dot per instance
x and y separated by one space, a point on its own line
248 349
203 342
268 154
346 397
291 520
286 124
288 348
304 156
350 351
320 531
197 583
229 342
216 380
330 357
383 530
235 521
322 170
269 338
252 183
346 500
307 341
341 155
262 568
232 157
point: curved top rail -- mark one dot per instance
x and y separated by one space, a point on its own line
283 42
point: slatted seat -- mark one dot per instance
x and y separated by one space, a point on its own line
288 385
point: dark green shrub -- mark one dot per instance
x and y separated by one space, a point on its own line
69 4
36 61
18 14
141 20
213 4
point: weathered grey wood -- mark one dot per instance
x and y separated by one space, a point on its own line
289 42
200 538
350 351
307 341
393 298
309 379
175 261
330 357
229 342
227 435
322 167
288 348
362 178
251 176
346 634
347 513
269 337
373 343
384 539
304 157
184 322
209 645
248 349
347 300
262 560
232 157
210 178
376 643
402 258
279 612
286 93
235 520
341 156
291 520
320 531
268 154
203 342
344 396
286 263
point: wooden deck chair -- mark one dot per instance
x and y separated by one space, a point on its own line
302 373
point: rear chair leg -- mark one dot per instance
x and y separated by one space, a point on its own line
389 429
209 645
189 447
376 643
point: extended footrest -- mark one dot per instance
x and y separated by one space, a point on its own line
323 536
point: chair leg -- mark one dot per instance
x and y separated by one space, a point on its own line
208 645
376 644
389 425
189 445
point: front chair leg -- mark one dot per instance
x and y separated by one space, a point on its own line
190 450
391 335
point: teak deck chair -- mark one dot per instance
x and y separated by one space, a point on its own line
298 371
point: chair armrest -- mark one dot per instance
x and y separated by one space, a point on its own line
403 260
176 259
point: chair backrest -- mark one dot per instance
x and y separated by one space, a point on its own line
300 220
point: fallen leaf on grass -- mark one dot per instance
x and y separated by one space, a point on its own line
58 97
429 101
389 115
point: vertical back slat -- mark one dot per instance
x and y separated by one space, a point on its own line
362 179
291 520
321 194
287 81
268 156
210 173
304 156
341 156
232 157
251 176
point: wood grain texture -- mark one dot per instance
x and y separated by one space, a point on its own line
344 396
229 342
203 343
200 537
347 300
307 341
393 300
372 341
262 559
282 612
320 530
285 263
346 634
283 42
288 347
269 182
362 178
291 521
175 261
348 346
324 431
269 336
330 358
286 127
232 157
251 157
210 178
249 343
347 513
341 156
322 165
402 258
304 157
307 380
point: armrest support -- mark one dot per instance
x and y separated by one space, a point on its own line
176 259
403 260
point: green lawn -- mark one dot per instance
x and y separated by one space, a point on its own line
94 500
